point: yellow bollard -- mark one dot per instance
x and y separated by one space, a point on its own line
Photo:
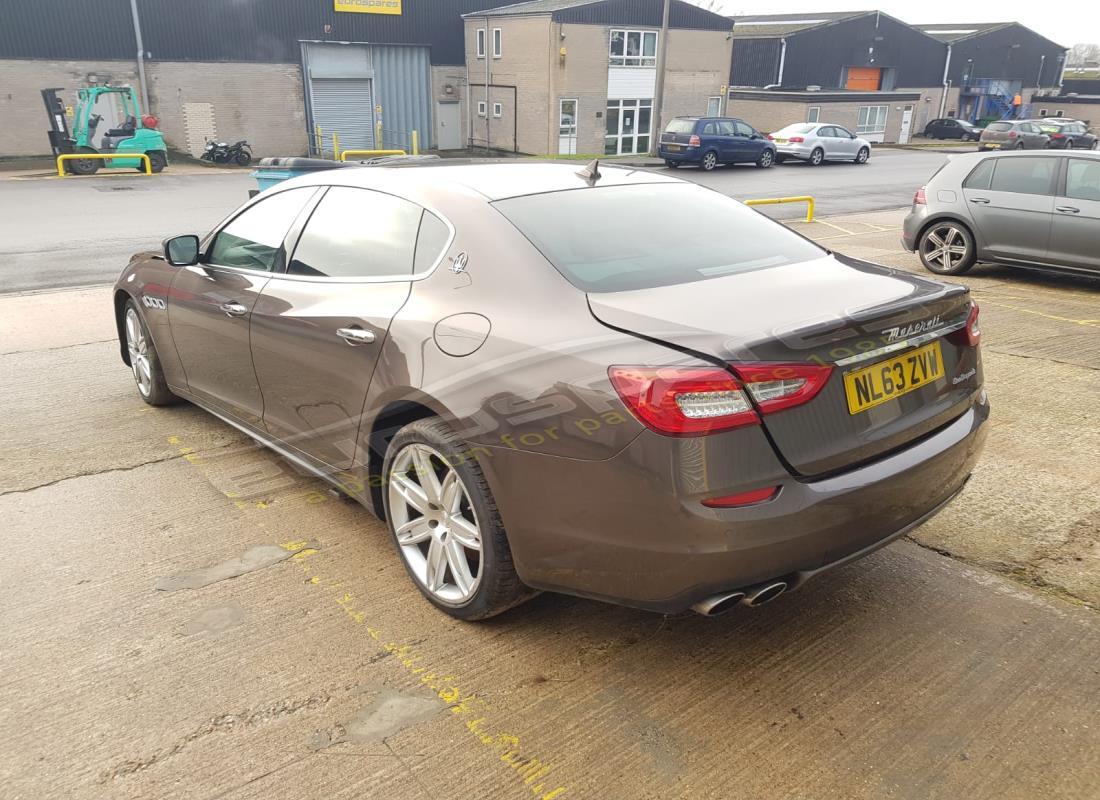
416 143
335 146
774 201
320 142
378 145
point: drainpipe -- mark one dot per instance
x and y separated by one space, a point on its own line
946 82
782 62
488 111
655 126
140 57
1061 71
1039 77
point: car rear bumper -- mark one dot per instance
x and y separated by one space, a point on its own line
685 154
911 226
627 531
793 150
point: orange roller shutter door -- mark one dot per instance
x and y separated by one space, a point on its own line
864 79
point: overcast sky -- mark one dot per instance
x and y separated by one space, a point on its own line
1066 23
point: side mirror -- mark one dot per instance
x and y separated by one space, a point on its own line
182 251
851 136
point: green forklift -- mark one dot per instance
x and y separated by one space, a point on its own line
136 134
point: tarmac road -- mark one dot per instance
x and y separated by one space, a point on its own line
82 231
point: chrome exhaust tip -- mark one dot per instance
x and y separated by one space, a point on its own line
763 593
718 604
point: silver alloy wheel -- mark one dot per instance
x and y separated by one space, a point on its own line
766 158
817 156
138 347
944 248
863 155
710 160
435 524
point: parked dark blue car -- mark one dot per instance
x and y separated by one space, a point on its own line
710 141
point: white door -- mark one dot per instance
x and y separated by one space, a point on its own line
448 123
906 123
567 127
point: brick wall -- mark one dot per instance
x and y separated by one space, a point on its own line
23 122
523 64
698 67
582 76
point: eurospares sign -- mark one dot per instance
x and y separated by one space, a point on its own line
368 6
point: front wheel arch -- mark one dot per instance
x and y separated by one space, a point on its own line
120 299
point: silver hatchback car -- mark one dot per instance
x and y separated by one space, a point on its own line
815 143
1037 209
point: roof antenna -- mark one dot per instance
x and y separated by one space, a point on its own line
591 172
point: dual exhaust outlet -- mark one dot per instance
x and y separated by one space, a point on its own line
752 597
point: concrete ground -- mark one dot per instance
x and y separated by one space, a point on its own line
80 231
188 618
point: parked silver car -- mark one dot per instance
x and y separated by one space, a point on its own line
817 142
1039 210
1010 134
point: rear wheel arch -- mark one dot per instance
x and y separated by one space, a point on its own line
393 417
942 218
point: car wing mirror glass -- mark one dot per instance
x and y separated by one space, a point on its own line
182 251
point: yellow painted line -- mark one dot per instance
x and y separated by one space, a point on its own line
1091 323
837 227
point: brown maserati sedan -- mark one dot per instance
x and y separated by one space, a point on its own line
610 383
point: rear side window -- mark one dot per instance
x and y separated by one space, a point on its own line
1024 175
358 233
254 239
981 176
999 126
432 239
618 238
1083 179
680 126
710 128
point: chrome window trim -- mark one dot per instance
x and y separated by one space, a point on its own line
903 344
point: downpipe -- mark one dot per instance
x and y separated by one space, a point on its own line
753 597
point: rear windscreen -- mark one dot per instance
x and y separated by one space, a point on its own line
680 126
999 126
618 238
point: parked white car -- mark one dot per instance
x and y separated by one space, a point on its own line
817 142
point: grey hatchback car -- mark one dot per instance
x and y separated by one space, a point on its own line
1038 210
546 379
1008 134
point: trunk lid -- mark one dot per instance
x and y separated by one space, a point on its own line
679 131
833 310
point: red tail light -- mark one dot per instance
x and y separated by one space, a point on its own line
1012 134
919 198
693 141
683 401
749 498
770 139
690 401
1057 136
775 387
797 139
971 335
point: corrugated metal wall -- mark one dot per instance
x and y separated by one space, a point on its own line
221 30
1014 53
755 62
645 13
403 87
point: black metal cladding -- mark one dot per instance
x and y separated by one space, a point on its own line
1079 86
643 13
1011 53
222 30
755 62
818 56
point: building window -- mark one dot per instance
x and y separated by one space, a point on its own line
872 119
498 110
633 48
481 43
481 108
813 113
628 126
497 46
1059 113
714 106
567 127
1042 112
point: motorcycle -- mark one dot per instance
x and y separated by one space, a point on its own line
239 153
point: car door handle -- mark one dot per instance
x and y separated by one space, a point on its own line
1067 209
981 200
234 309
355 335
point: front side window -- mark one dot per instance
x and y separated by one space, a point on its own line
254 238
618 238
843 133
633 48
1024 175
358 233
1083 179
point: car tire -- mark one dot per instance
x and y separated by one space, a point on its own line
817 157
933 244
671 164
1019 145
84 166
144 361
461 524
709 161
863 155
158 160
1069 144
780 158
766 158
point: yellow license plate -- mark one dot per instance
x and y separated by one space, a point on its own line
993 146
881 382
673 146
780 141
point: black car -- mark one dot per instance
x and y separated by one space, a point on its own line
1067 134
950 128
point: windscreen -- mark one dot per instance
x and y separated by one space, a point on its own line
618 238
